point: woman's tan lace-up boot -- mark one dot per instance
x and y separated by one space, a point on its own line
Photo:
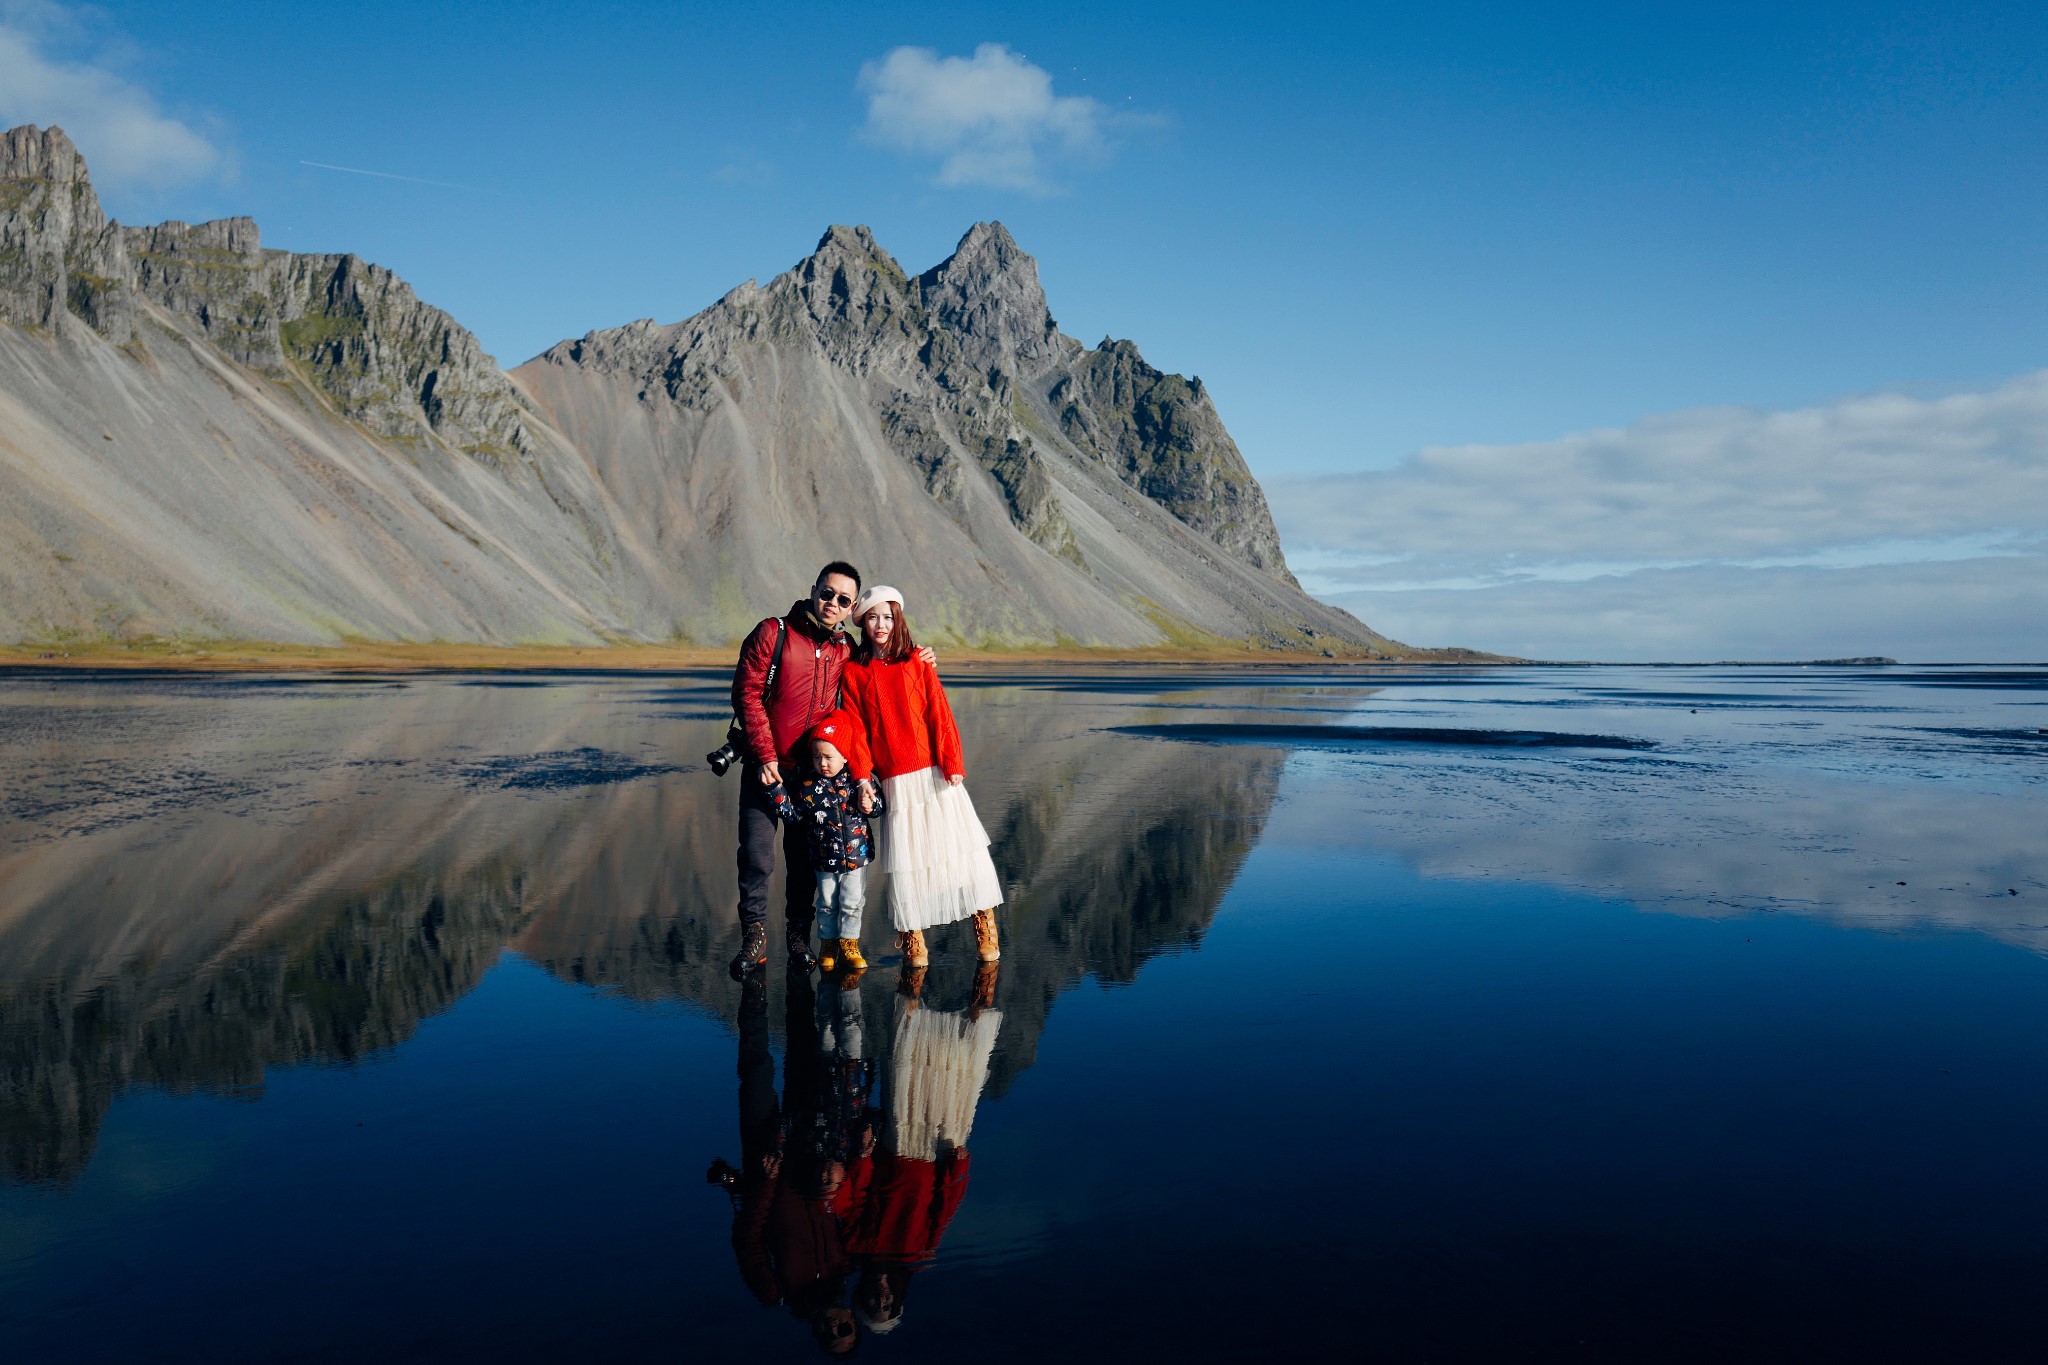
985 945
984 997
911 941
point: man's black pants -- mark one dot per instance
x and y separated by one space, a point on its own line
757 860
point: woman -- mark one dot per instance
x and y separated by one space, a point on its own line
932 845
918 1176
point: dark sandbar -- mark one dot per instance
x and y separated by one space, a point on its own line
1336 736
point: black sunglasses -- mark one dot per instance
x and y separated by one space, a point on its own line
825 594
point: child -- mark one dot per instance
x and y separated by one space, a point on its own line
835 809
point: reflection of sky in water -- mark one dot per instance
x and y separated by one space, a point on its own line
341 1017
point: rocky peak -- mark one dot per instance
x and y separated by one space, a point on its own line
217 275
237 237
852 295
390 362
398 366
842 243
988 295
32 153
59 256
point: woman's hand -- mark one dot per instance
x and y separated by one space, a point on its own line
955 779
926 654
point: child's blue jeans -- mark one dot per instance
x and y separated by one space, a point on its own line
841 898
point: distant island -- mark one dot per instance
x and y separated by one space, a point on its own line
216 442
1861 661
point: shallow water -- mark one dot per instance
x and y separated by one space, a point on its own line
1613 1014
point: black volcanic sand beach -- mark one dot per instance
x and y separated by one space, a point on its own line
1590 1013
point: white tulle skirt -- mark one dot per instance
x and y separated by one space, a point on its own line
940 1066
935 852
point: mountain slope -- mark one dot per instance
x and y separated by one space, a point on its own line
202 437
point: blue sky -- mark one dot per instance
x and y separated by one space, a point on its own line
1371 229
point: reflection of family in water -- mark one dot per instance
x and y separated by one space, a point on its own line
842 1194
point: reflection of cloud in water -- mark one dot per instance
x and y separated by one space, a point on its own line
1695 838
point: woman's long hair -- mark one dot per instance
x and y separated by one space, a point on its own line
900 645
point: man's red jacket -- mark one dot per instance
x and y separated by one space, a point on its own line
806 689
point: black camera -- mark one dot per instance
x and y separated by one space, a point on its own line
727 754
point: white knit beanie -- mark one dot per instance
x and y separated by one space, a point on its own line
873 598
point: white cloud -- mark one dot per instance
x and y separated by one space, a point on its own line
126 137
990 119
1880 524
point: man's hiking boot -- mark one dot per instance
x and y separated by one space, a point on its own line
800 958
753 953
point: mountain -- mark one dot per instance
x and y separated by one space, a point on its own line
202 437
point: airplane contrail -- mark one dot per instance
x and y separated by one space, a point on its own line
382 175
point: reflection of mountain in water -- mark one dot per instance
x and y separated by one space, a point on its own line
193 957
347 976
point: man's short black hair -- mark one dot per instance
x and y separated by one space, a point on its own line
840 566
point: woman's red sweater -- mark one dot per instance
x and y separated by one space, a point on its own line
908 721
908 1205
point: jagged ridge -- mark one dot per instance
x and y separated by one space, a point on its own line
977 328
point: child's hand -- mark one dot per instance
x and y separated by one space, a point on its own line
867 801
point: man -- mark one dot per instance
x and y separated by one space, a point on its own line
775 720
791 1189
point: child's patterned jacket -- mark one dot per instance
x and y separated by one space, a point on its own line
829 810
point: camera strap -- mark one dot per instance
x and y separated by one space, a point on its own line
775 661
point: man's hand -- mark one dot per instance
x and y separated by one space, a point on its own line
771 773
928 655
